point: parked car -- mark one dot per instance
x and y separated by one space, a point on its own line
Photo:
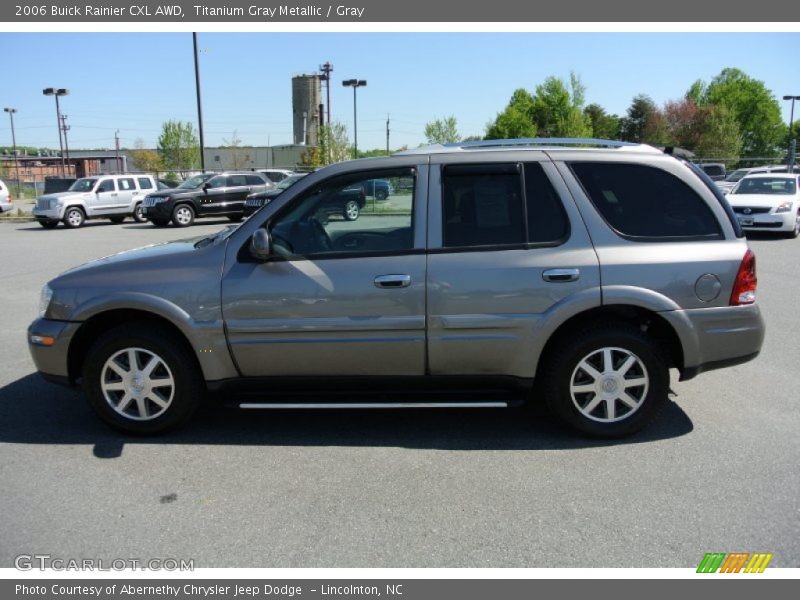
768 202
204 195
578 271
6 203
380 189
255 201
112 197
735 176
276 175
715 171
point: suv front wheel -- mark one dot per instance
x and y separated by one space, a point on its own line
141 379
74 217
608 382
183 215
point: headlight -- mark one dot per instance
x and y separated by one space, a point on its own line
784 207
59 203
44 299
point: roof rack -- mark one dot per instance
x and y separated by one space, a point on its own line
531 143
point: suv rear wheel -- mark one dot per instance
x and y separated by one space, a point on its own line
609 382
141 379
182 215
74 217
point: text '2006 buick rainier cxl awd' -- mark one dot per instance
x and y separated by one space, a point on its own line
578 271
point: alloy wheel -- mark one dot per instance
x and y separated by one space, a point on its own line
137 384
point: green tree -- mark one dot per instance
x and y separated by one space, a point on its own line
557 110
442 131
516 120
720 135
178 147
755 108
145 159
603 125
644 122
333 143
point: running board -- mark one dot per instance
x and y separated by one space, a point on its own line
359 405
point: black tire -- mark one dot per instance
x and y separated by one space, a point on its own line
49 224
160 222
351 210
116 220
561 365
138 216
184 397
235 218
74 217
796 231
178 218
381 194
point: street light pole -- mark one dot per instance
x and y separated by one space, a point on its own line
355 84
11 112
792 141
58 92
199 103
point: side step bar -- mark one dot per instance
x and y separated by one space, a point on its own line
359 405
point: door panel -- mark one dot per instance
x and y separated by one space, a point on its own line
105 199
490 296
326 317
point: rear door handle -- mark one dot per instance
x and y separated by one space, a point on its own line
392 281
561 275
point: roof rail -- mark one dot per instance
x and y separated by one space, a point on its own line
532 143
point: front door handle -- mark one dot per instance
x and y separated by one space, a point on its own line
561 275
392 281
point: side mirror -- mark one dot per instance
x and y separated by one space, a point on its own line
261 245
206 186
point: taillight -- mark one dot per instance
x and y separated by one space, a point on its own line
744 288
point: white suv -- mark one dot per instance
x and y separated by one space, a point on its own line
111 197
5 198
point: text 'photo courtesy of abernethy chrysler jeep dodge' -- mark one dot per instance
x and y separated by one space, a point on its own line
501 272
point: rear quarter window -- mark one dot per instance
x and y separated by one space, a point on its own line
644 203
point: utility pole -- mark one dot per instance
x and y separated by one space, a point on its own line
116 146
11 112
355 84
387 134
65 128
199 103
51 91
327 69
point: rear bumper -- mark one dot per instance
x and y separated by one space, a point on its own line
51 361
714 338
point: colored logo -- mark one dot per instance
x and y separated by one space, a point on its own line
735 562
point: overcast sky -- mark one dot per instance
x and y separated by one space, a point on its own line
134 82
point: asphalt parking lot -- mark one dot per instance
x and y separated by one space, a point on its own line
717 471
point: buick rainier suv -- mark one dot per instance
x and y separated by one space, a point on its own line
493 274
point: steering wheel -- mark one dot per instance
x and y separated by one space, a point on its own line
321 237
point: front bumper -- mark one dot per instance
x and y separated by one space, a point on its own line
714 338
52 360
767 222
51 214
161 210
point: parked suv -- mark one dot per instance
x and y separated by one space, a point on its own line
204 195
6 204
255 201
579 271
112 197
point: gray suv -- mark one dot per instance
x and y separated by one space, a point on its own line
497 272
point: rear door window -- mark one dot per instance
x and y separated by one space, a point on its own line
254 180
126 185
642 202
482 205
237 180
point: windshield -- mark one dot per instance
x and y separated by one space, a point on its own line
766 185
83 185
288 181
736 175
195 182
